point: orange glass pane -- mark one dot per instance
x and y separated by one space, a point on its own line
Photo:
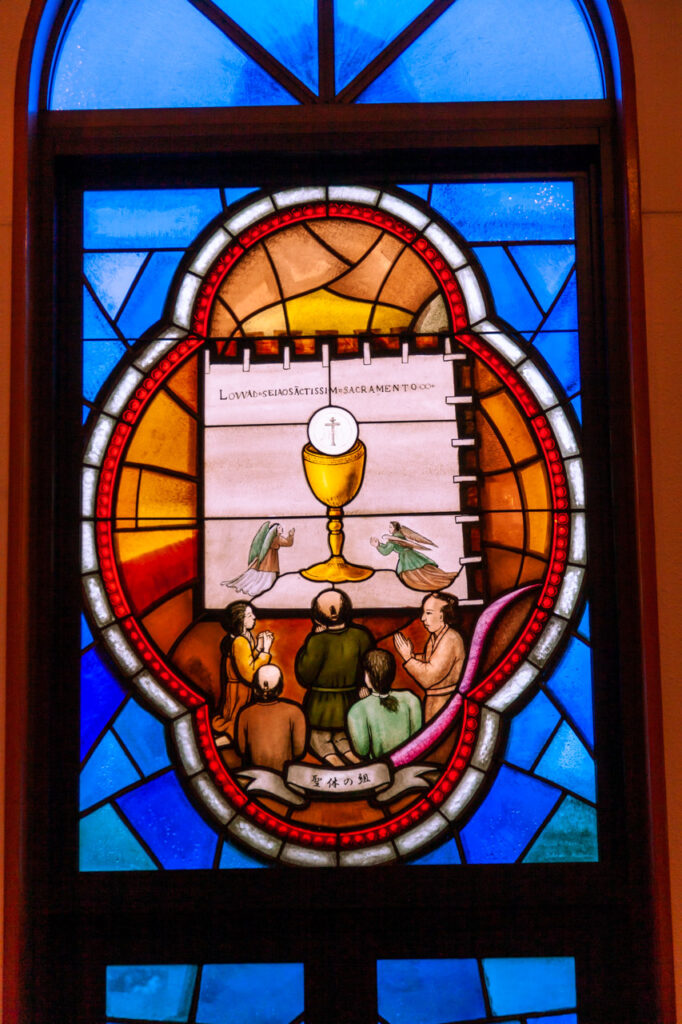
491 455
167 622
166 497
366 279
503 570
410 283
183 383
485 380
535 485
198 656
151 574
322 311
126 498
539 532
510 425
222 322
165 437
268 321
500 492
302 262
504 528
533 570
142 542
251 285
348 238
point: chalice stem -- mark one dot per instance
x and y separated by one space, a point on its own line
335 528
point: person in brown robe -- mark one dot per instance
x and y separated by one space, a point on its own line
271 731
438 668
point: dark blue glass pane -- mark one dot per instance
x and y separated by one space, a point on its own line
106 844
418 190
99 359
447 853
429 991
158 992
584 625
111 275
568 763
95 323
503 826
287 28
86 635
169 824
512 299
530 730
147 301
525 984
571 684
362 30
545 268
571 835
562 1018
143 736
564 316
85 413
254 993
232 857
101 696
494 50
107 771
508 211
578 408
147 219
562 351
124 54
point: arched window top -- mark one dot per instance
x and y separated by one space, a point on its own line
123 54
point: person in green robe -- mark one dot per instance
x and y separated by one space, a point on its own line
329 667
385 718
416 570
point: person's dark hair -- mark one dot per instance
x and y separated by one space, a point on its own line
450 607
340 614
232 619
380 667
263 695
395 526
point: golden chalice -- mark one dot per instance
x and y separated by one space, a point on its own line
334 479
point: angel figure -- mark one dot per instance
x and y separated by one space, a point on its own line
415 570
263 564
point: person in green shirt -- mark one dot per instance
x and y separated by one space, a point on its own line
386 718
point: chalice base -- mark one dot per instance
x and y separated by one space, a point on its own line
337 570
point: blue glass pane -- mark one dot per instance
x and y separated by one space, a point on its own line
578 408
95 323
169 824
584 626
512 299
564 316
107 771
147 301
568 763
545 268
571 835
508 211
159 992
287 28
111 275
86 635
85 413
429 991
562 1018
147 218
106 844
99 359
254 993
124 54
232 857
144 737
525 984
101 696
494 50
503 826
418 190
447 853
530 730
562 351
571 684
232 195
362 30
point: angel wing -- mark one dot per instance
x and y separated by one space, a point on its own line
257 543
416 537
403 542
266 542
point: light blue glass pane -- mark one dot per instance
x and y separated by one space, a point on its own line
571 684
528 984
530 730
95 323
147 301
250 993
287 28
101 696
147 218
447 853
169 824
111 275
232 195
545 268
512 299
568 763
584 624
232 857
561 349
158 992
508 211
99 359
494 50
578 408
562 1018
144 737
107 845
564 316
503 826
85 413
362 30
571 835
107 771
418 190
429 991
124 54
86 635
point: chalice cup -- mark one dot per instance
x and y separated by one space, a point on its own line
335 480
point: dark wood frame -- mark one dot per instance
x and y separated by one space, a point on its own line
61 928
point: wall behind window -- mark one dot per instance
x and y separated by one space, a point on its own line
655 28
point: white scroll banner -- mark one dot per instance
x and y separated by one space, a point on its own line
302 781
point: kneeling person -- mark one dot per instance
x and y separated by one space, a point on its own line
270 731
386 718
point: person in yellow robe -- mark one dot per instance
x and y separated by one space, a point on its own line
242 654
